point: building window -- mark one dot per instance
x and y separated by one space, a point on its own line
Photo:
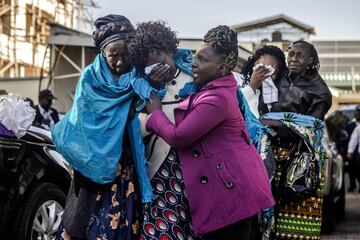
276 36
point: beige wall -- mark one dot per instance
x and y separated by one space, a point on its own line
26 88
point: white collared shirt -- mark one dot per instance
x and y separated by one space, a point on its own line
47 116
251 97
355 139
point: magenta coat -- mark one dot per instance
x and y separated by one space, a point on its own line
225 178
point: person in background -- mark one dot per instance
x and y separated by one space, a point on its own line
301 90
225 178
353 151
46 116
252 75
3 92
252 79
31 102
304 99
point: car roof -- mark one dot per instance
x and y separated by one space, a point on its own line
347 107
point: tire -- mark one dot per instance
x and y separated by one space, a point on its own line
340 204
45 199
328 214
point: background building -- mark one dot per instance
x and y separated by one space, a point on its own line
24 28
279 30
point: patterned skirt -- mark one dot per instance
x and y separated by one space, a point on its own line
167 217
117 214
300 219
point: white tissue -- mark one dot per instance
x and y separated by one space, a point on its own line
269 90
148 69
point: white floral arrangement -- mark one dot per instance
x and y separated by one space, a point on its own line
16 114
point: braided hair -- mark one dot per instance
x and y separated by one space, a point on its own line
148 37
111 28
224 41
315 66
277 53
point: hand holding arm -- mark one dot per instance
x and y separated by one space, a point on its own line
207 114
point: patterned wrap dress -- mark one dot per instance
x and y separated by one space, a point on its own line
167 217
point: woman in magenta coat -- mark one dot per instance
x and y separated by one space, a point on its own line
225 178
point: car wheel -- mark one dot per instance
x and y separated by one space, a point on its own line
328 215
340 204
41 214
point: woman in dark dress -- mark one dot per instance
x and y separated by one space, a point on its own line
104 211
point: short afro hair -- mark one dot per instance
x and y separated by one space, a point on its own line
148 37
224 41
277 53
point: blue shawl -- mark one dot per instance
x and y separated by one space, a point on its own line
90 136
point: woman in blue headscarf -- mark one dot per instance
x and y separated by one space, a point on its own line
94 135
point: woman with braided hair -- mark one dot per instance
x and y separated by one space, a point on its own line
95 136
225 178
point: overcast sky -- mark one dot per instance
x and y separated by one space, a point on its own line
332 19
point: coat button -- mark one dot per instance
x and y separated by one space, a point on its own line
176 97
203 180
229 184
195 154
219 166
173 82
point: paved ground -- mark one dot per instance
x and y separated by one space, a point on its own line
349 227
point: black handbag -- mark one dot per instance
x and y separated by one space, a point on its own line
301 176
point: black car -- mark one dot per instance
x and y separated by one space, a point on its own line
34 181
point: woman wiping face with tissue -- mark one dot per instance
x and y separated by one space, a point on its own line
262 69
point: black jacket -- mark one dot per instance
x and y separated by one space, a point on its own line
309 95
39 118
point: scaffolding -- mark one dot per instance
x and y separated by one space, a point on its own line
25 26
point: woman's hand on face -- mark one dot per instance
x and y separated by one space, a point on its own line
159 74
156 103
257 77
